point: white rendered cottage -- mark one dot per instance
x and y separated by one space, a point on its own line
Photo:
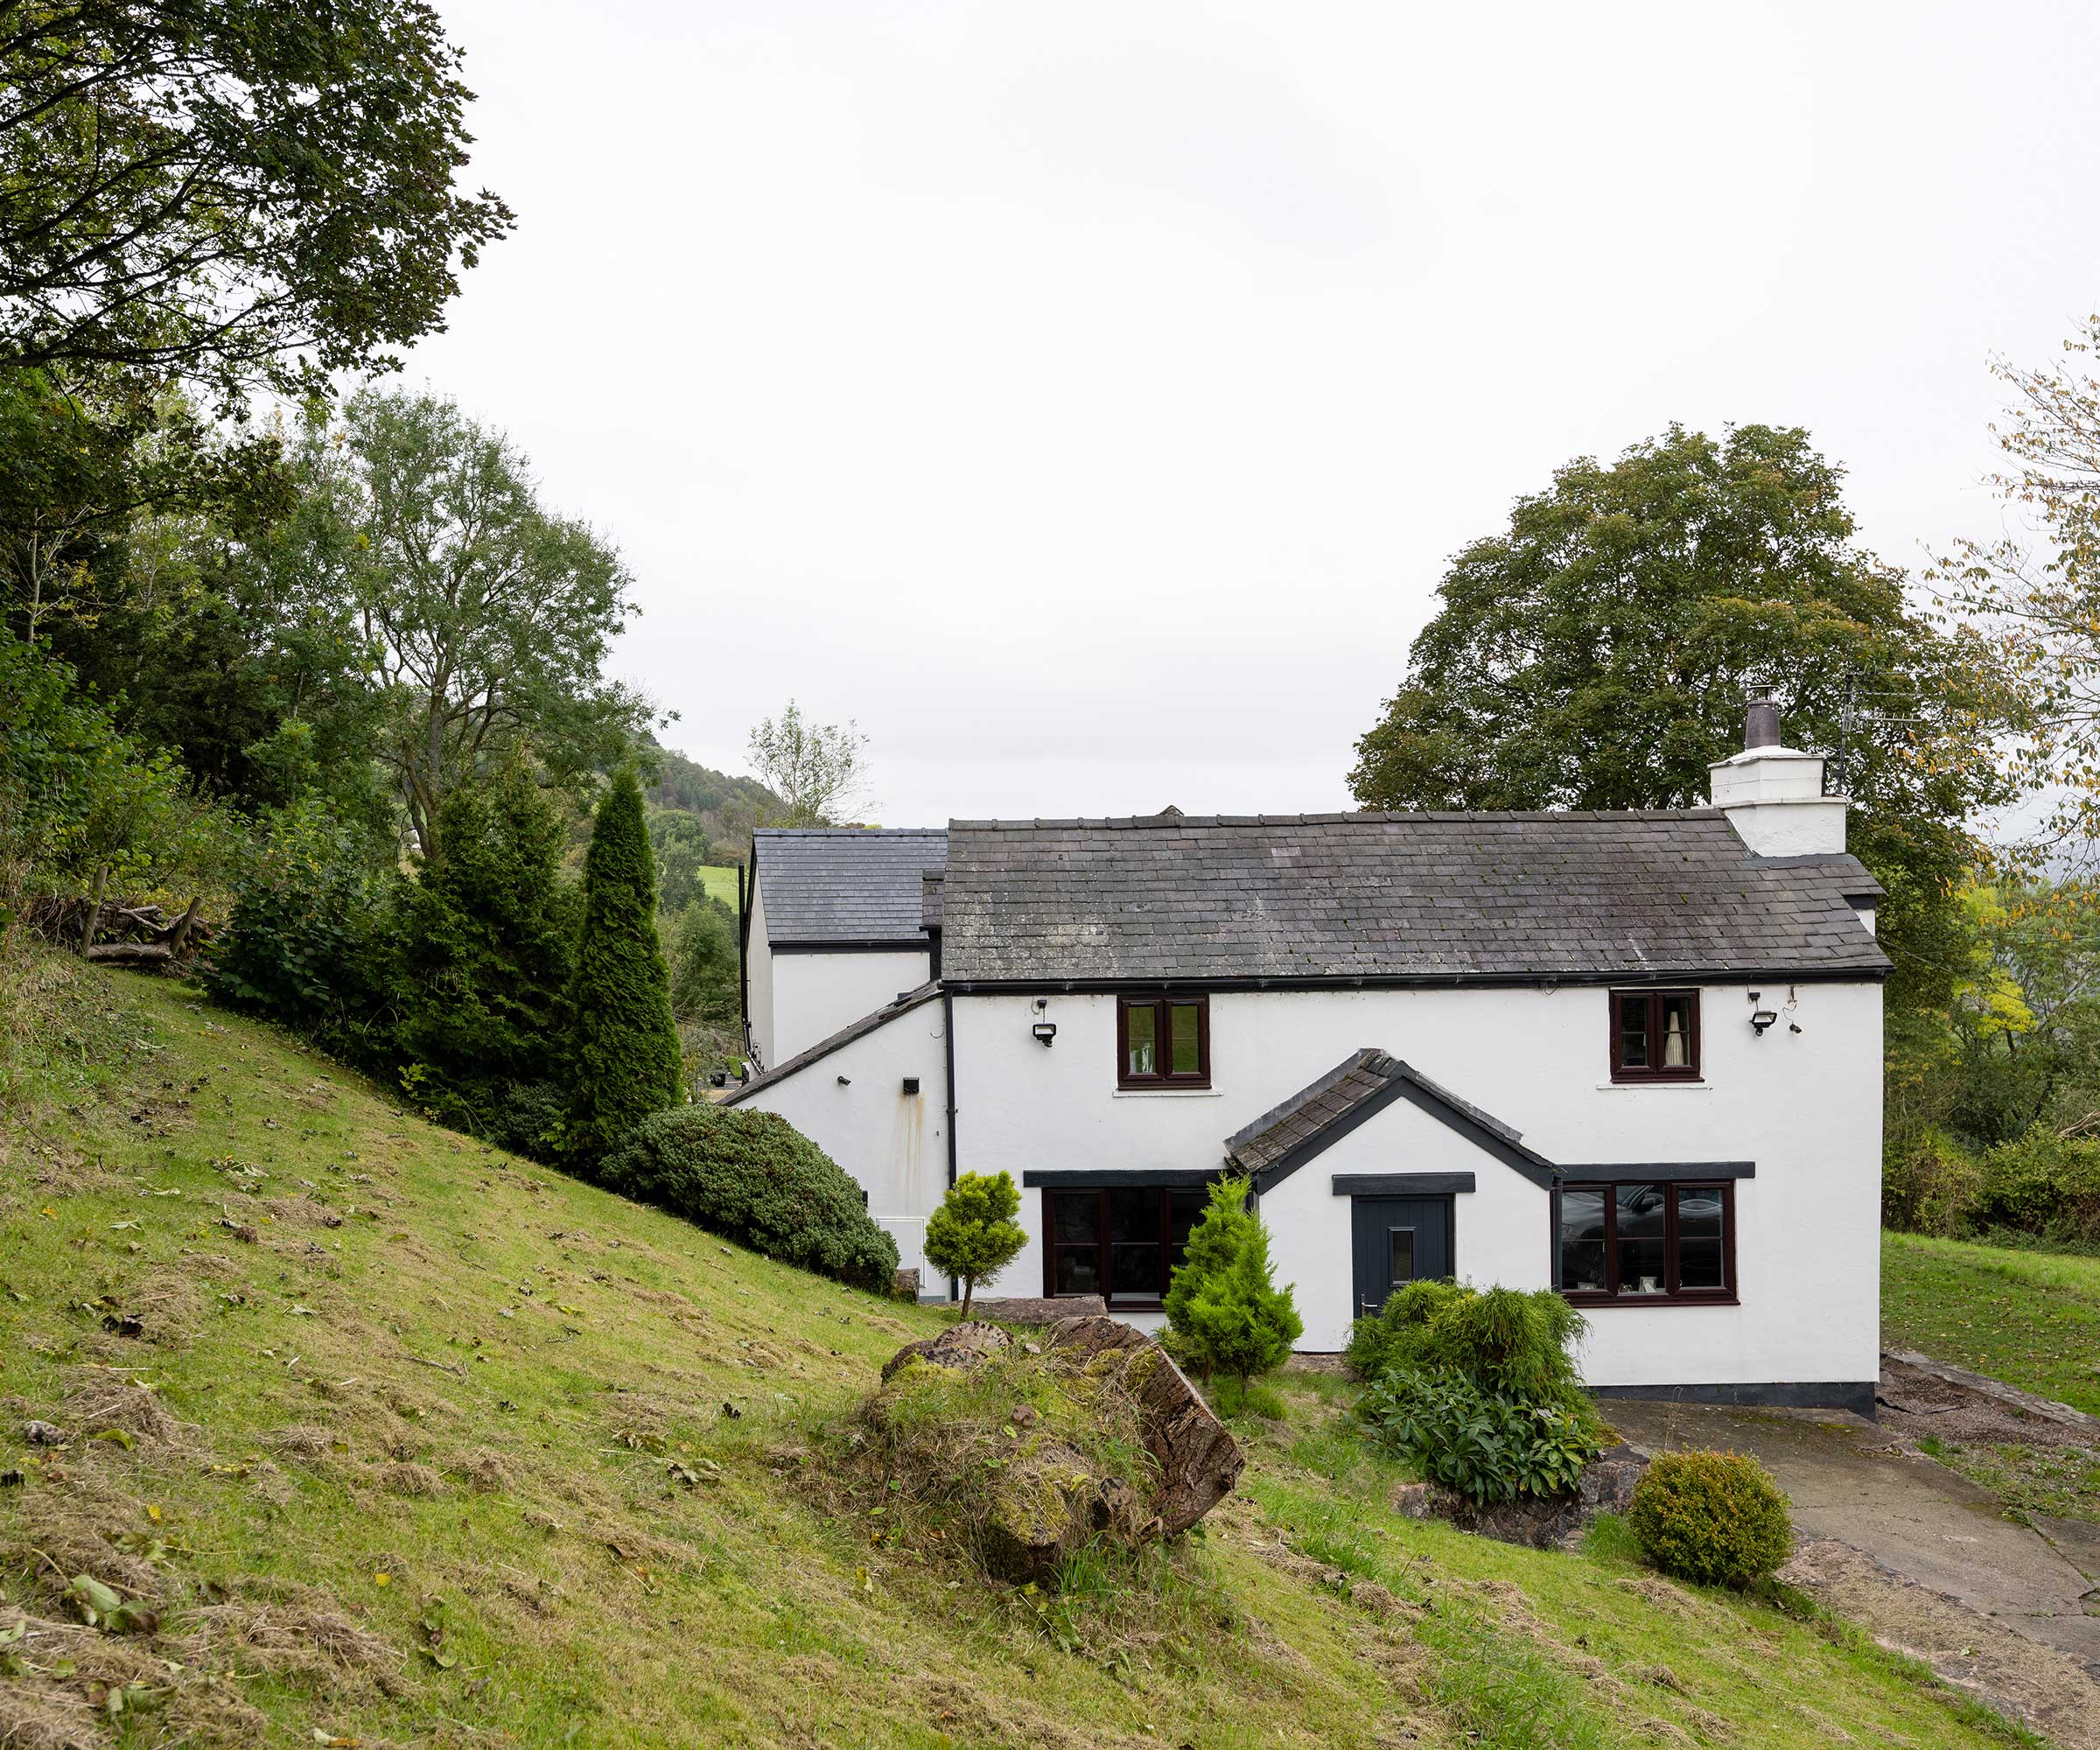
1635 1057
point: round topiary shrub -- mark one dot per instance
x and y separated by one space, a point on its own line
754 1177
1712 1518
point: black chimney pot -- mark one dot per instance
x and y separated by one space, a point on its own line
1761 726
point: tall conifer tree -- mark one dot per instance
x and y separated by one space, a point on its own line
625 1057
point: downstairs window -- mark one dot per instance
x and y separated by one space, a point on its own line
1647 1244
1121 1241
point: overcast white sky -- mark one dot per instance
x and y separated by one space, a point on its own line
1086 397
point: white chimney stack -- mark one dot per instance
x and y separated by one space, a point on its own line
1773 795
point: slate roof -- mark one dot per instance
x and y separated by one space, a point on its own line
1287 1136
846 884
1405 897
903 1004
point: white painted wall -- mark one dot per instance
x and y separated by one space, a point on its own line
1501 1231
893 1143
758 973
813 995
1806 1107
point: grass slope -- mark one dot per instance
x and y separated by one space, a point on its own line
719 881
409 1442
2029 1317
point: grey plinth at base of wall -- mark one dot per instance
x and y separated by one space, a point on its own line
1857 1396
1041 1310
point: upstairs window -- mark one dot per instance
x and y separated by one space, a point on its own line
1655 1035
1163 1042
1647 1244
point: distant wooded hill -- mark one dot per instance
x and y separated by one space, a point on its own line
700 818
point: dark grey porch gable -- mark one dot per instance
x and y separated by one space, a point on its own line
1283 1138
1230 902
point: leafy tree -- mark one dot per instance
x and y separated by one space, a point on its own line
488 617
2038 605
1225 1314
818 770
973 1235
1597 654
233 191
487 953
624 1056
310 942
701 950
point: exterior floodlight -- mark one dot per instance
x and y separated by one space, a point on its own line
1761 1019
1045 1031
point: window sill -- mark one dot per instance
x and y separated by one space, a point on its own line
1587 1301
1700 1084
1170 1094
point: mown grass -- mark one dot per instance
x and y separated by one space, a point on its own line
719 881
420 1443
2029 1317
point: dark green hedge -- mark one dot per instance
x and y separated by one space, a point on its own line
753 1176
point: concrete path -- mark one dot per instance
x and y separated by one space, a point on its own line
1857 1487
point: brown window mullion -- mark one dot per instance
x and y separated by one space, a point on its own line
1611 1241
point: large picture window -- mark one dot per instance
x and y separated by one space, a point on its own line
1163 1042
1121 1241
1655 1035
1648 1243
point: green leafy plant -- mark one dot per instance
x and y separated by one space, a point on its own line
1490 1446
624 1054
2043 1183
753 1176
1712 1518
309 941
1224 1312
1508 1341
973 1235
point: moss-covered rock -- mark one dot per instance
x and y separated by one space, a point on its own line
1025 1455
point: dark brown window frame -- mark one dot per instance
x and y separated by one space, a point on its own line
1624 1072
1163 1036
1673 1293
1101 1243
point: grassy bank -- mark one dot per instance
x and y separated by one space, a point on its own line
2029 1317
381 1436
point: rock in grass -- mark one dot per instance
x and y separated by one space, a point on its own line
1032 1456
1199 1459
960 1346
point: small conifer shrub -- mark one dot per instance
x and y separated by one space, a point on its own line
1712 1518
973 1235
1225 1314
624 1053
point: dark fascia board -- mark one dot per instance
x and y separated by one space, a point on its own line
1406 1084
1423 981
912 944
1641 1172
1401 1184
1086 1177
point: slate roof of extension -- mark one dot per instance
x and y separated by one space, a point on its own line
903 1004
846 884
1272 1147
1427 897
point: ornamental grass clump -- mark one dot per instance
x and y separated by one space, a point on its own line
1712 1518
